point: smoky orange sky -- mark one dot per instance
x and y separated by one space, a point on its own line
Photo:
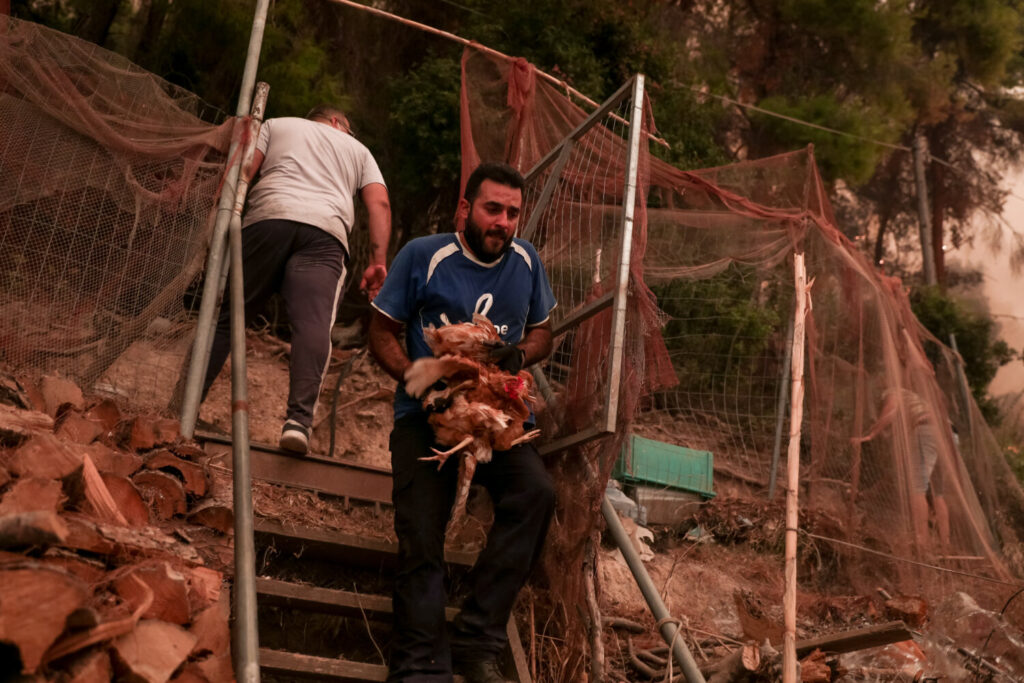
1003 290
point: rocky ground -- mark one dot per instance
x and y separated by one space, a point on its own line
726 588
725 584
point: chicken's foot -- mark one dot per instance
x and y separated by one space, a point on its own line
528 436
442 456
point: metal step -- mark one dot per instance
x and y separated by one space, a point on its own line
339 546
334 476
279 593
323 668
295 665
346 479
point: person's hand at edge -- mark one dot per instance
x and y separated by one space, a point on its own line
373 280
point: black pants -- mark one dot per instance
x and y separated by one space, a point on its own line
524 499
307 266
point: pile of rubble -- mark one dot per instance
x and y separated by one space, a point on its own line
101 580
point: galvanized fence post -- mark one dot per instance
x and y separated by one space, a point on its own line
246 632
245 637
622 284
213 285
669 628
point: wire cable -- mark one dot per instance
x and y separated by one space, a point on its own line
792 119
913 562
834 131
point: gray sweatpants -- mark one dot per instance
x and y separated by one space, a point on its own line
307 266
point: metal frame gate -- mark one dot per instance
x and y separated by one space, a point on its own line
629 100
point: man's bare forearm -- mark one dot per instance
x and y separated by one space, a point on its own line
378 209
380 235
536 345
385 346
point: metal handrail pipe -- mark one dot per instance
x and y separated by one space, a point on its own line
669 630
213 285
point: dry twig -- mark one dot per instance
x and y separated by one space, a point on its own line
369 631
596 641
533 641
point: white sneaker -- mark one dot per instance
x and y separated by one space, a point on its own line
294 437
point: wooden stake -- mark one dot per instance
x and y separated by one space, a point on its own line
97 634
210 627
165 589
164 493
214 513
44 455
109 461
796 412
128 499
32 494
92 668
39 527
152 651
192 474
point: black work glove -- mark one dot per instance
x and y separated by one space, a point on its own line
508 357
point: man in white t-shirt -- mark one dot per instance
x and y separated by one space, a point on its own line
295 241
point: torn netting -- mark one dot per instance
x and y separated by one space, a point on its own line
711 300
108 178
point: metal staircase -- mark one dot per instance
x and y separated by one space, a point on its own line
369 562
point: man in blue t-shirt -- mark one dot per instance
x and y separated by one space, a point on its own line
439 280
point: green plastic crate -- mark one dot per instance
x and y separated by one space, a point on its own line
645 461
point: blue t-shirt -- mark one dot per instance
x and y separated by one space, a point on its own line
436 280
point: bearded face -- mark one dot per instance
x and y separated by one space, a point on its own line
491 220
488 244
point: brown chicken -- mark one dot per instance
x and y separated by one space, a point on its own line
481 408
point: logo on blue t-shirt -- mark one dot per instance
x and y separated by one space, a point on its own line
434 281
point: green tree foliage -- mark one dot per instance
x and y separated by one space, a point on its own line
838 65
59 15
424 124
838 156
594 45
201 45
969 53
983 37
298 62
885 71
983 353
728 329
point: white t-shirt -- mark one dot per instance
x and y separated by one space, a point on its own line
310 174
